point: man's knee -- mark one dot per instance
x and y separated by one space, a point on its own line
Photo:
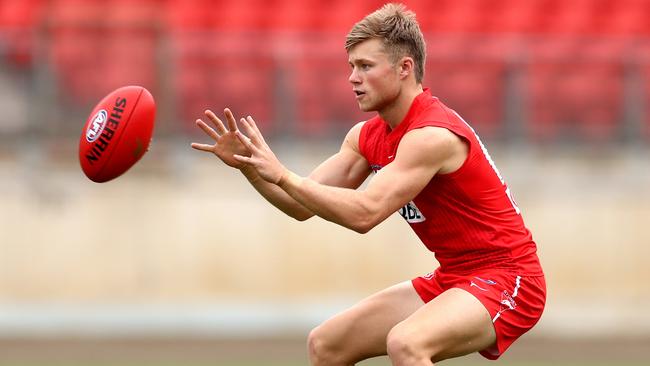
324 348
405 348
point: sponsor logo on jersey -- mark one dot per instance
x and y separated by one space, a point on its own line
411 213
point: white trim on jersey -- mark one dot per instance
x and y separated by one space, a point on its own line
517 285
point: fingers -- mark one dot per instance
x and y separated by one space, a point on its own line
251 121
254 133
247 142
207 129
232 123
221 129
202 147
242 159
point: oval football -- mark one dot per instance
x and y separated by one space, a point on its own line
117 133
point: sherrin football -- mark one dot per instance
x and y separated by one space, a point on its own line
117 133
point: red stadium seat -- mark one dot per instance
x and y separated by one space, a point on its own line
239 15
134 13
473 86
574 17
20 14
86 57
78 59
18 20
475 89
76 35
75 13
253 55
427 12
322 93
295 16
573 95
206 77
131 57
626 18
131 40
515 16
341 15
97 46
459 16
187 14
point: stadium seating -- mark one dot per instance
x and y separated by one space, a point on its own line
627 18
204 78
573 92
283 59
468 79
18 20
97 46
322 93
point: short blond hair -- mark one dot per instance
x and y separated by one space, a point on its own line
399 32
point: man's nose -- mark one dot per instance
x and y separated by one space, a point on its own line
354 77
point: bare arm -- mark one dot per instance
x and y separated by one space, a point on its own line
346 168
421 154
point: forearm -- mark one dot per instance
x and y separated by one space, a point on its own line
346 207
276 196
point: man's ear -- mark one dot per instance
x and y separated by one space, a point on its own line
406 67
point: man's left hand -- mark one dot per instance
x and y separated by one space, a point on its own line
262 158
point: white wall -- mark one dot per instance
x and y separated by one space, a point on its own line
180 242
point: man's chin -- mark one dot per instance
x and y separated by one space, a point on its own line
366 107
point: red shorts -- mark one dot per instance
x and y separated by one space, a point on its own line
515 302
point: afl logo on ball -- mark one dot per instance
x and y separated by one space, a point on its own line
97 125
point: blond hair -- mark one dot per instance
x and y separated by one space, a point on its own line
399 32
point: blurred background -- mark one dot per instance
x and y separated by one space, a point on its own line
179 261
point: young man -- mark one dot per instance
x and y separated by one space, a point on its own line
432 168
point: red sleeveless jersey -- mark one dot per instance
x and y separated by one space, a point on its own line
467 218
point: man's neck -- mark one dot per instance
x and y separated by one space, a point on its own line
395 113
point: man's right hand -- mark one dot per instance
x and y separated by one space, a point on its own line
226 143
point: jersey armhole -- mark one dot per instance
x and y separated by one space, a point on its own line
363 137
468 158
461 135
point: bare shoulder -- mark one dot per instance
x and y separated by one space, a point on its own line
435 145
348 167
352 138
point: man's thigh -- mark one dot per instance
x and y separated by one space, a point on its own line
360 331
453 324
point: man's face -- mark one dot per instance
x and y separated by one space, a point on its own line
375 79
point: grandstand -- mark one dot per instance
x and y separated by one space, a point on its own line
568 64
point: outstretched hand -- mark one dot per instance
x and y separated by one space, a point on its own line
226 142
261 157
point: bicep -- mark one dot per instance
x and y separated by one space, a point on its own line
347 168
420 156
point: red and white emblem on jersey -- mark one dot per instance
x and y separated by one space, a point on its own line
411 213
